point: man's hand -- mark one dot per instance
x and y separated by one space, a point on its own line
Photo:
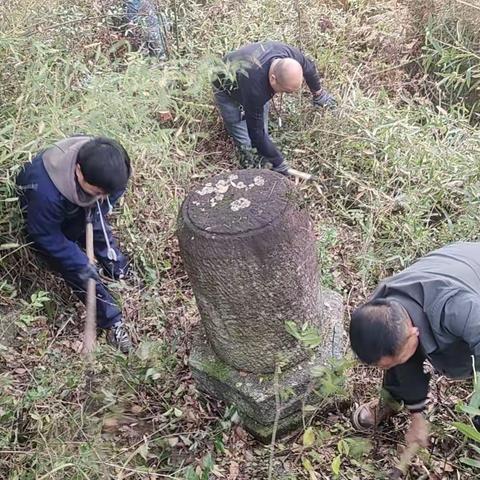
282 168
418 430
87 273
324 99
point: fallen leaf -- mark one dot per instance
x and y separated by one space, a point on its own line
233 471
308 437
173 441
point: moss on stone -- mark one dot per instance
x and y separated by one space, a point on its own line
216 368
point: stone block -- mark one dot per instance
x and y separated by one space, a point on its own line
253 394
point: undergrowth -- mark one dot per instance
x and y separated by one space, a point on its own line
398 175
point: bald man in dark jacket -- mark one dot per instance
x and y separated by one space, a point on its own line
259 71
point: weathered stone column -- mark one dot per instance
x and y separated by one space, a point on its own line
250 254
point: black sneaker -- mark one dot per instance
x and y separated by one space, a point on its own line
117 337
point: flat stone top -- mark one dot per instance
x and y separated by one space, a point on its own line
237 202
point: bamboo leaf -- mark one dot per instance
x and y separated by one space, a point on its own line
309 437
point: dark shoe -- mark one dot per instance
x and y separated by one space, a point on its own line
118 270
117 337
370 415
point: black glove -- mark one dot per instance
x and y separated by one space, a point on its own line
282 168
324 100
87 273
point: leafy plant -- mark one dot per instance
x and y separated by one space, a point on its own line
469 430
451 54
309 336
38 300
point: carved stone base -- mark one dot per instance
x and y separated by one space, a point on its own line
254 394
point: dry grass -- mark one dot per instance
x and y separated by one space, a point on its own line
397 177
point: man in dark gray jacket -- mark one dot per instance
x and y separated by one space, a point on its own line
430 311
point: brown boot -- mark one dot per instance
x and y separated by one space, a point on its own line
370 415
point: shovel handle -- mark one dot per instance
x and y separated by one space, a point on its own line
90 333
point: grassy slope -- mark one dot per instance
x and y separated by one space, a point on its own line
398 177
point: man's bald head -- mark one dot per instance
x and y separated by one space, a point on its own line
285 75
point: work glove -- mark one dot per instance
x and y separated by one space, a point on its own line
87 273
282 168
324 100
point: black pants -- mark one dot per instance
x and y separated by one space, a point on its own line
408 383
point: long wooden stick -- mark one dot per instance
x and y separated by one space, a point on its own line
298 174
90 329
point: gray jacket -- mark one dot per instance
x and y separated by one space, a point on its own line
441 293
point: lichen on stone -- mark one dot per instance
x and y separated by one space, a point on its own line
208 188
240 204
259 181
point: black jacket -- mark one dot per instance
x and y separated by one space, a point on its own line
251 87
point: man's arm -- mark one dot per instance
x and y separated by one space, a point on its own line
253 106
259 137
43 224
408 383
321 97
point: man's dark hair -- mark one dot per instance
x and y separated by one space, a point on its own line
105 164
378 329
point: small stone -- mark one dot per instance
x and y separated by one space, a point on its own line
136 409
173 441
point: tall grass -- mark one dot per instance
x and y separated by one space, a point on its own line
396 179
451 52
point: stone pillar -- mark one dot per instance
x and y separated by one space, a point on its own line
250 254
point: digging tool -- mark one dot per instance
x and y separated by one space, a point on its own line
405 459
90 333
301 175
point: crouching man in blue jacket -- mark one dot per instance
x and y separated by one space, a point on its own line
56 189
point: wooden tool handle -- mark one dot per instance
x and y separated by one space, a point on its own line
298 174
90 329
